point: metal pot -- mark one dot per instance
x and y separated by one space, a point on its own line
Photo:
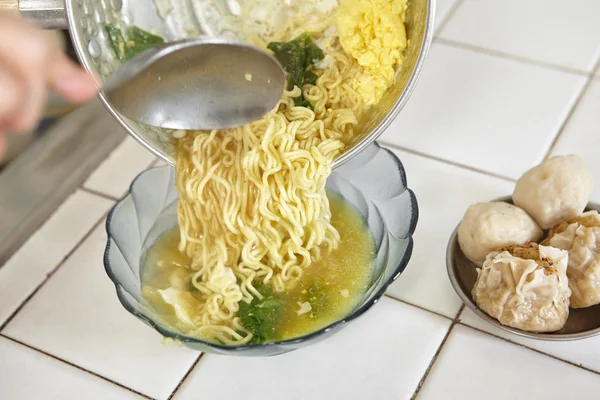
85 20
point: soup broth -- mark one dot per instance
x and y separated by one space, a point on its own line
327 291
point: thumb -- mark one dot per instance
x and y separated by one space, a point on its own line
69 80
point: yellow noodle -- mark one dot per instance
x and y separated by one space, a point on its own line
252 202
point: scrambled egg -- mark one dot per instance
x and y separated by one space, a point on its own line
372 31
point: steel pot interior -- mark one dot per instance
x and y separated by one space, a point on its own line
87 18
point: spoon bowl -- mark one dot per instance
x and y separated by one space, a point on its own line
199 84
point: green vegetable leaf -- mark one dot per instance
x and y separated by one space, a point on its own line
142 40
262 317
292 57
297 57
302 102
135 42
256 340
310 77
117 41
314 54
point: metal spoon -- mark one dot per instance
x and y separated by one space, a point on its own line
198 84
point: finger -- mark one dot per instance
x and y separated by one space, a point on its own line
33 100
25 52
11 97
23 47
71 81
36 97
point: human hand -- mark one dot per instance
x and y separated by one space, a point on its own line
30 66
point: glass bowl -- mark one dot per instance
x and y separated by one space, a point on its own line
374 182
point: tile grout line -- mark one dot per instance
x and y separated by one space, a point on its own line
445 161
456 320
185 376
52 214
578 100
530 348
567 119
110 196
425 155
49 275
596 70
75 366
53 271
98 193
389 296
449 15
437 353
512 57
590 79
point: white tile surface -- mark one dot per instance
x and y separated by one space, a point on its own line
581 135
443 193
115 174
383 356
46 248
552 31
474 366
27 374
442 8
76 316
581 352
487 112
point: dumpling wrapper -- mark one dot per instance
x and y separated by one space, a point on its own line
525 287
581 237
555 191
185 306
488 226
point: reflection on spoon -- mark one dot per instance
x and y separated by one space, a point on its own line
198 84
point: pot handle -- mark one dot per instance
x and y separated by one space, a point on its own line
47 14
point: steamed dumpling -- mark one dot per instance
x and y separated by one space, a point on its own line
489 226
581 238
525 287
555 191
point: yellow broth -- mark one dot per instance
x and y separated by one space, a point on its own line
332 286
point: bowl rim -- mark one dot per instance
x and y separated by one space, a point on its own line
468 301
166 333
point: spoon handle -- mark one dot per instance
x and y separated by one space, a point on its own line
9 5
